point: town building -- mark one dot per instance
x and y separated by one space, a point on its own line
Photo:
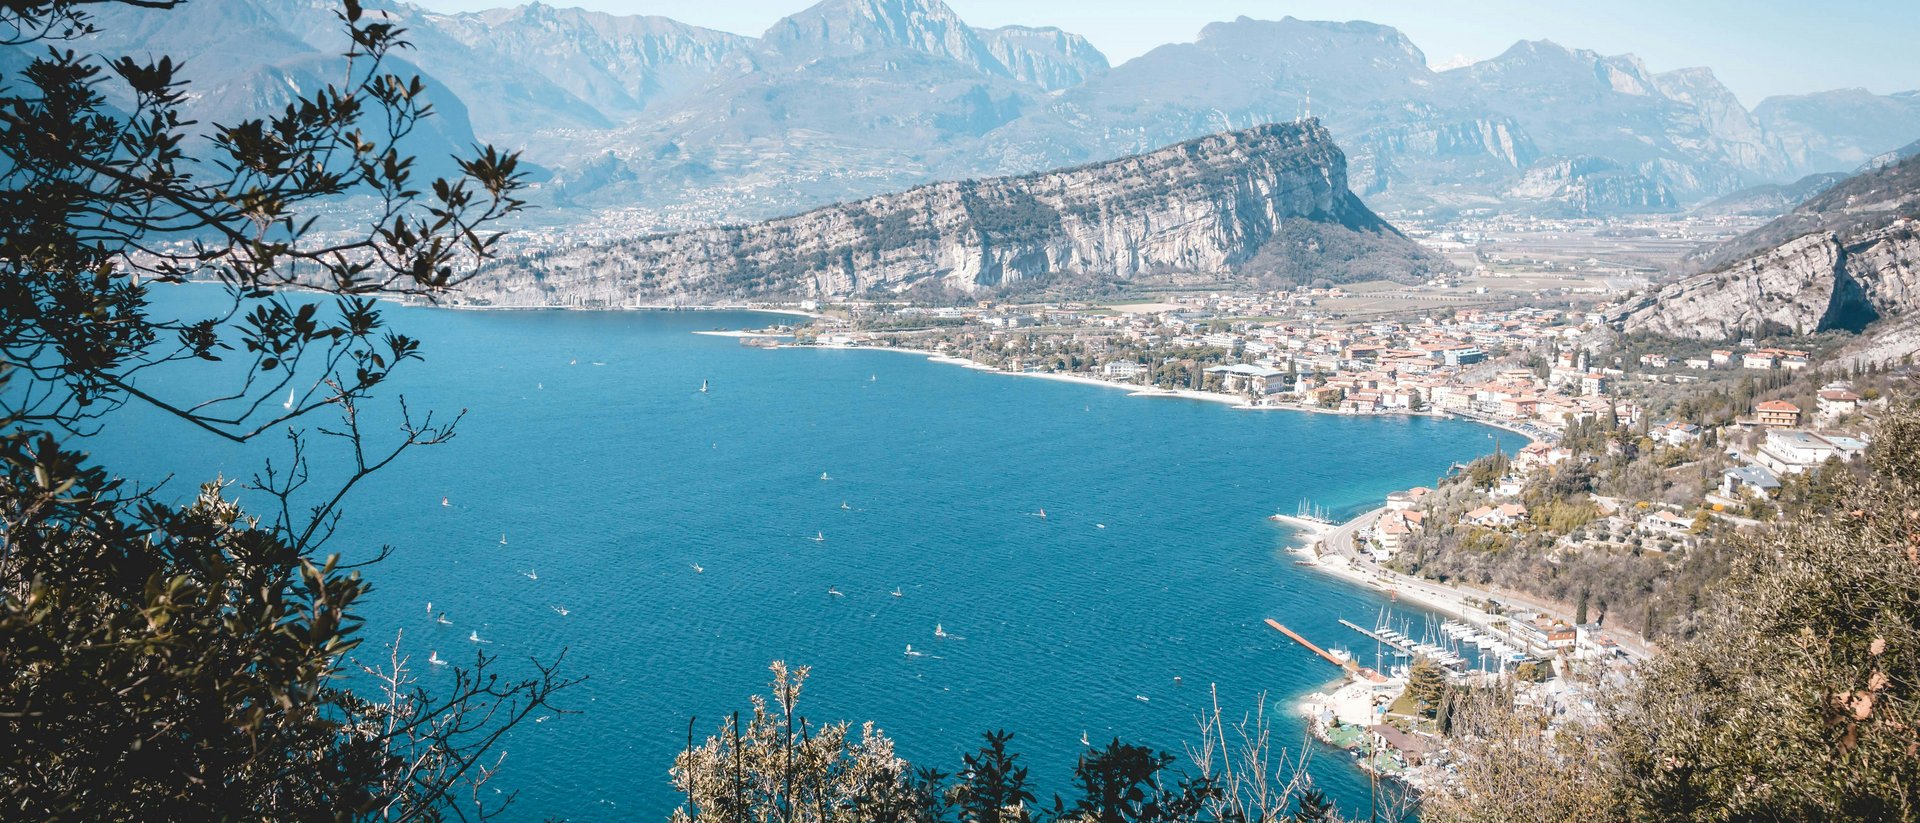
1777 414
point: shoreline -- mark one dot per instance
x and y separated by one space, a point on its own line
1234 401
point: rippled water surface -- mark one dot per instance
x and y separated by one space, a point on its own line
588 447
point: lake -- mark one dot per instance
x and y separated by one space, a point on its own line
588 447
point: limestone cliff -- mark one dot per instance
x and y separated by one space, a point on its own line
1816 282
1270 201
1846 259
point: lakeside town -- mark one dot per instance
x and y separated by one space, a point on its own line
1724 432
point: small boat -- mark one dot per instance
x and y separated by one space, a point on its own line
561 610
844 506
1083 738
574 362
872 378
289 404
445 502
1099 525
531 574
429 607
823 476
835 592
912 653
1140 697
1341 655
699 569
897 592
503 538
820 537
938 631
443 620
475 637
1042 514
703 387
434 658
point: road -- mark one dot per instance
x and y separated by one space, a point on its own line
1339 542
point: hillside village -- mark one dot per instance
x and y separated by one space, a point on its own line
1570 557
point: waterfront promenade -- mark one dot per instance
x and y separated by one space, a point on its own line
1334 549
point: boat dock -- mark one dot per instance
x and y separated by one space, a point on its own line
1398 645
1345 664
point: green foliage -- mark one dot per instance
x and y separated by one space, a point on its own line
779 766
1427 685
1313 808
1799 699
170 662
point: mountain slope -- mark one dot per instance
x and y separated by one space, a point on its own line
1848 259
1269 202
617 64
1841 129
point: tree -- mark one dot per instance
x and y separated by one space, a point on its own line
1427 685
1120 784
167 661
993 786
1314 808
1795 700
779 766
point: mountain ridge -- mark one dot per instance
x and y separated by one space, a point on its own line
1210 205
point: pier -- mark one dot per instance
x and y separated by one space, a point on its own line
1403 647
1347 664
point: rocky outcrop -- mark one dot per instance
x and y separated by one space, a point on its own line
1046 57
1817 282
1581 186
1771 199
1213 205
1848 259
616 63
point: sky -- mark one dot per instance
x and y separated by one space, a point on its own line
1758 48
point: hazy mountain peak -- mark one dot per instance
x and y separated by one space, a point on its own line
841 27
1044 56
1380 41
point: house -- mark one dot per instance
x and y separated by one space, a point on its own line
1123 369
1720 357
1667 524
1497 517
1762 359
1791 451
1412 748
1739 480
1593 384
1837 403
1777 414
1250 379
1678 433
1459 355
1563 636
1699 363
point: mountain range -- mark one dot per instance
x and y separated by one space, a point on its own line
1269 204
849 98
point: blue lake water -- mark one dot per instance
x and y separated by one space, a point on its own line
611 477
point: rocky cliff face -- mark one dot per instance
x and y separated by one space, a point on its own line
1817 282
618 64
1046 57
1227 202
1847 259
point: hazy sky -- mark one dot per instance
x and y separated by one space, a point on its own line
1757 47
